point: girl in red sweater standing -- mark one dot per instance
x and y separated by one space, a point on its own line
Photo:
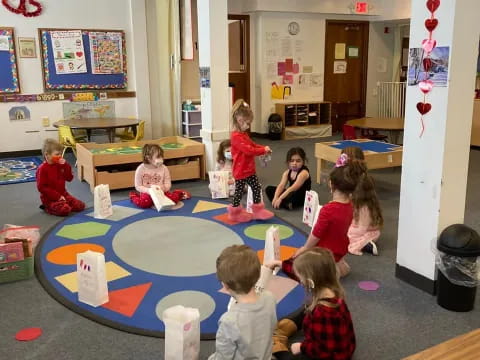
51 177
331 228
244 151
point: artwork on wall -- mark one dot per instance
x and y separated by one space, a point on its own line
88 109
19 113
106 52
340 67
68 52
186 34
27 48
437 66
9 82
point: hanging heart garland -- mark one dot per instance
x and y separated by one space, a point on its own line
24 7
426 85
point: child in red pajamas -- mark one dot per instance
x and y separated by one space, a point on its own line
51 177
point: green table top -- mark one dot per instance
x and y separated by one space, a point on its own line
126 150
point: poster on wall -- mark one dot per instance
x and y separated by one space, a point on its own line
27 48
186 29
88 109
68 52
438 72
106 52
340 67
4 43
19 113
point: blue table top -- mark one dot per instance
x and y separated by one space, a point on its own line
372 145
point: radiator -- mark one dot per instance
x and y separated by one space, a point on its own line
391 99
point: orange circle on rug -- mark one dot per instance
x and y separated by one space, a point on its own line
286 252
67 255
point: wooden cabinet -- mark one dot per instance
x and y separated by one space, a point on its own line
305 119
475 139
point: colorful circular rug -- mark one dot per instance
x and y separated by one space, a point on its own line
155 260
18 170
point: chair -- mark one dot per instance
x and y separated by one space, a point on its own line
66 138
349 132
127 134
373 135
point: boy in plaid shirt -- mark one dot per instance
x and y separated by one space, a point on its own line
326 321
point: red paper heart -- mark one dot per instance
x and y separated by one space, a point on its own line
79 54
22 7
431 24
28 334
426 86
428 45
433 5
427 64
424 108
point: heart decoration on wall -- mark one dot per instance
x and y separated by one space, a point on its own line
428 45
28 8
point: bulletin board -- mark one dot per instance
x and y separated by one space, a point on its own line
54 81
9 82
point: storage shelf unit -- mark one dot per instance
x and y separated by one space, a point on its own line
191 123
312 114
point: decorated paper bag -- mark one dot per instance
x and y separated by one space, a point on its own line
102 203
250 199
160 201
182 333
92 278
309 207
315 217
219 184
272 245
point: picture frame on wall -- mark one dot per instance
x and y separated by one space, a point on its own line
27 47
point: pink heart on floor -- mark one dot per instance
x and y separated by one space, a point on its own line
369 285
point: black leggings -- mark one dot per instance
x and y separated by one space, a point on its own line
297 318
251 181
293 200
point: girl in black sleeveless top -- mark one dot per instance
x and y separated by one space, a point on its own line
290 192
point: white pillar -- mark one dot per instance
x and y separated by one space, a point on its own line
213 53
435 166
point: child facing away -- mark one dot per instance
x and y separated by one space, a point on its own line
295 182
244 151
330 230
326 321
225 162
51 176
152 172
245 330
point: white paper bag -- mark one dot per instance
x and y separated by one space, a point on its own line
309 207
272 245
219 184
102 203
315 217
92 278
250 199
160 201
182 333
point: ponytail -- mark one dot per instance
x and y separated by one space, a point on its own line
365 195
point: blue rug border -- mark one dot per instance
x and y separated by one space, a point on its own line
56 295
35 158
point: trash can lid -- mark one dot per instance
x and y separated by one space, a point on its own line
459 240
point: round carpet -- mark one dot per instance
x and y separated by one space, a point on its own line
155 260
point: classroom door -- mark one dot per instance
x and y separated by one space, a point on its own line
346 59
239 56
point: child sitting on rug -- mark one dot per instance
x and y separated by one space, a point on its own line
330 230
51 176
297 176
325 320
153 172
225 162
245 330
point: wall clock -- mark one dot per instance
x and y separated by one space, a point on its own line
293 28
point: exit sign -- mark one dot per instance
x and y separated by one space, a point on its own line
361 7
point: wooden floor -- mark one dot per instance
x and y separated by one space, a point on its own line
463 347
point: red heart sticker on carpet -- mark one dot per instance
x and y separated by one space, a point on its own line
424 108
428 45
426 86
28 334
433 5
431 24
427 64
79 54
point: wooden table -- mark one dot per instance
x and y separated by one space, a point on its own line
393 125
108 124
463 347
378 154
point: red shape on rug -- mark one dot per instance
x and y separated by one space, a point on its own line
224 218
126 301
28 334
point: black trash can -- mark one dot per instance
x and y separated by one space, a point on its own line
275 127
458 267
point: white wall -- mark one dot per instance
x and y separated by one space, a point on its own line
106 14
396 9
305 6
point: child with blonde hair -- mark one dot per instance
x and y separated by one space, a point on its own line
51 177
244 151
326 321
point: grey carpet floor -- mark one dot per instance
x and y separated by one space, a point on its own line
391 323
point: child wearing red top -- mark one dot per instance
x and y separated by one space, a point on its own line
244 151
326 321
51 176
330 230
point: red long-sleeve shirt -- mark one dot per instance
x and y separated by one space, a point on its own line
329 333
332 227
51 181
244 151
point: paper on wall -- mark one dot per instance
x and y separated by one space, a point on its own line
68 52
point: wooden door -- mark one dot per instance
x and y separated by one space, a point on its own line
346 86
239 55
